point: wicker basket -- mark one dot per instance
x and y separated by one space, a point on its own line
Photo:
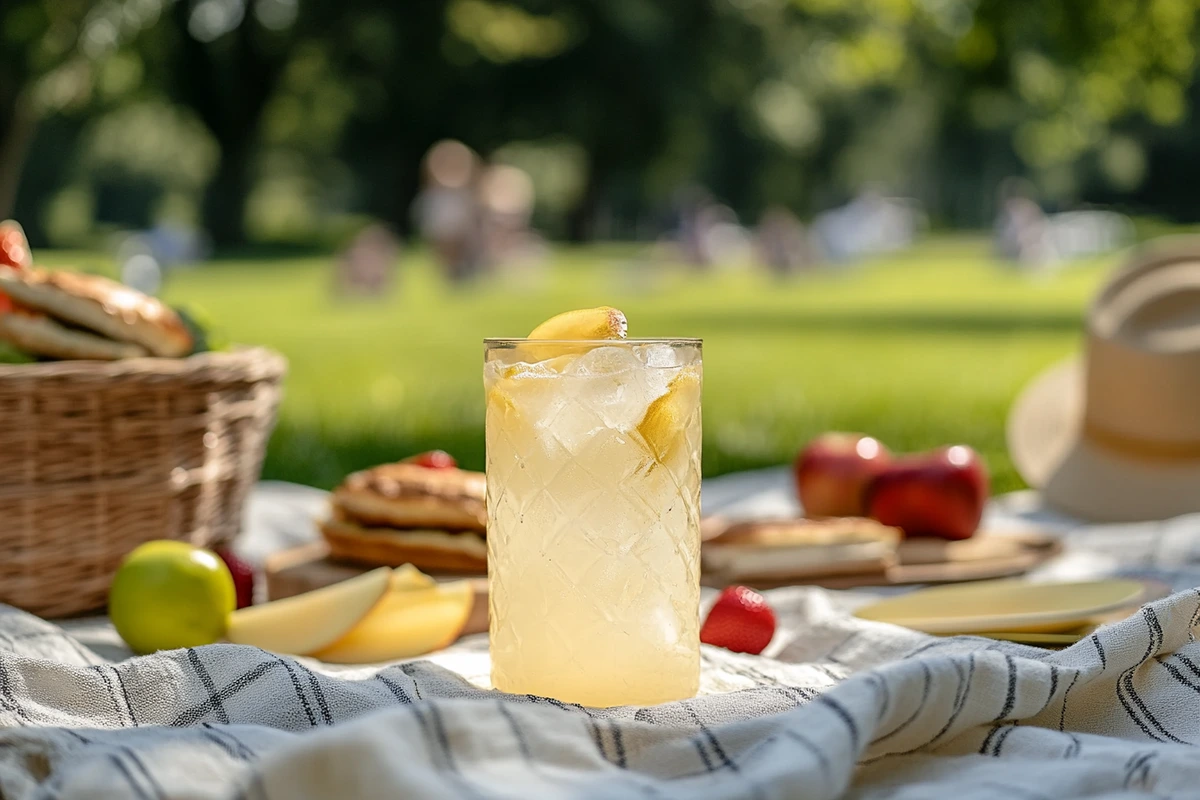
98 457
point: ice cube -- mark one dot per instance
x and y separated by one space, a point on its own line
603 361
658 355
530 388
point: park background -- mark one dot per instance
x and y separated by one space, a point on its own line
267 134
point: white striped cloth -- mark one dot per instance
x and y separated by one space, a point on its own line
837 707
844 708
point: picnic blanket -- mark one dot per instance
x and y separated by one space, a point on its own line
836 707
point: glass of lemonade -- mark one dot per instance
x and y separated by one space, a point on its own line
593 496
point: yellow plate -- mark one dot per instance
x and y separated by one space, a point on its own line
1004 605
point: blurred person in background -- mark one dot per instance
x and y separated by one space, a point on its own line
689 220
506 199
1089 232
781 242
367 266
1036 241
706 233
447 209
1021 234
870 224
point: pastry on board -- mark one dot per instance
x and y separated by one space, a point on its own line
393 514
799 548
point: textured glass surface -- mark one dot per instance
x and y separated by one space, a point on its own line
593 473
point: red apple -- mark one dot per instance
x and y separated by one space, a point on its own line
833 471
243 577
940 493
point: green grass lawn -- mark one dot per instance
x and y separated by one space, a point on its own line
921 349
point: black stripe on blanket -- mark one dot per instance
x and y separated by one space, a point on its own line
885 695
1004 734
1062 715
709 737
960 701
7 693
137 788
1010 696
145 772
312 718
841 711
1053 686
618 743
518 734
125 694
232 745
215 698
396 689
916 713
315 686
112 691
1126 681
1100 650
1137 771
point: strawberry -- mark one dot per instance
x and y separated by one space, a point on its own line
740 621
14 252
14 249
433 459
243 577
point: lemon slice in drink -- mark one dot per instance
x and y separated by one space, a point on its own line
664 427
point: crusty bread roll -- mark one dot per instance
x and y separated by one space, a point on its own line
461 551
101 305
40 335
412 496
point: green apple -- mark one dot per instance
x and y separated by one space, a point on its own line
170 594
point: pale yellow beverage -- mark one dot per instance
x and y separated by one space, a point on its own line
593 476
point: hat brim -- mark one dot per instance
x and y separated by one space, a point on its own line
1083 478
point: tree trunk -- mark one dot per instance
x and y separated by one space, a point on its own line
224 206
581 220
17 126
227 84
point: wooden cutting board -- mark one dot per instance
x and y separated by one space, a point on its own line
309 567
927 560
302 569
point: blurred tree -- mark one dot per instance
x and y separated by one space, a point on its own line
42 68
976 90
329 105
57 58
606 76
223 60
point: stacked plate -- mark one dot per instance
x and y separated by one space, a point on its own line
1046 614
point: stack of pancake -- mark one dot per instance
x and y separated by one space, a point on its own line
394 514
74 316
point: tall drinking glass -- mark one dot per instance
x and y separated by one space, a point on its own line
593 495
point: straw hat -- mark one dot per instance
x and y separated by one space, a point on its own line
1114 435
